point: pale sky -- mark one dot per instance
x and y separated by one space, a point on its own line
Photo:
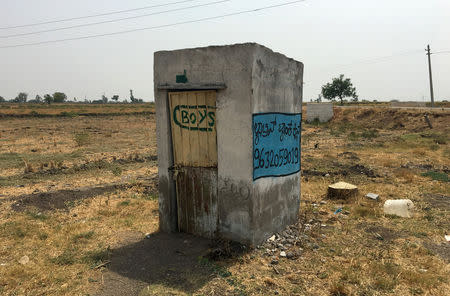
329 36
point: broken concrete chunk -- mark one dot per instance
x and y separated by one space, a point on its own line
400 207
342 190
372 196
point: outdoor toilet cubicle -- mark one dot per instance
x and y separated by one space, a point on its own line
229 134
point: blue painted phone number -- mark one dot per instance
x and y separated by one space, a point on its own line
270 159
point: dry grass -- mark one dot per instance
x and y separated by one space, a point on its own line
359 251
72 110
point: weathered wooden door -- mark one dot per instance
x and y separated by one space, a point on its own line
194 141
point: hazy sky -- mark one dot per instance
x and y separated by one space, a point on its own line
329 36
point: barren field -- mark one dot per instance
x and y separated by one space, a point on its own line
79 211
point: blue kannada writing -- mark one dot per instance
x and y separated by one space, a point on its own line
276 144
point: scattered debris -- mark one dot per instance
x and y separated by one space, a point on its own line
339 210
148 235
271 239
372 196
283 254
24 260
447 238
378 236
342 190
102 265
400 207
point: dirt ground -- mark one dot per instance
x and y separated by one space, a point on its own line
79 213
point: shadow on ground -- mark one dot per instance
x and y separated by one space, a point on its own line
59 200
164 264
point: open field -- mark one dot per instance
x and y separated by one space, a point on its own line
72 109
78 194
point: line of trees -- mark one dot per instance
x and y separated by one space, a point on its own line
60 97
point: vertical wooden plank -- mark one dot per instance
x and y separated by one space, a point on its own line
212 139
203 138
194 134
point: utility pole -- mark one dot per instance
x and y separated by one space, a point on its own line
428 50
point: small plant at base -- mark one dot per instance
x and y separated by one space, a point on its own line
83 236
81 139
437 176
28 168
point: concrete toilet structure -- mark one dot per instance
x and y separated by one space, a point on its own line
229 134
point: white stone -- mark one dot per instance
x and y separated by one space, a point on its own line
24 260
282 254
372 196
400 207
271 239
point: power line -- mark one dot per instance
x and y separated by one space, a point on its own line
382 59
438 52
93 15
114 20
155 27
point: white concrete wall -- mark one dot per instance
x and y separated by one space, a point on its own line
322 111
277 87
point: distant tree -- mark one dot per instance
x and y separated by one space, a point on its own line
339 88
38 99
115 98
21 98
59 97
2 100
319 99
104 99
132 99
48 99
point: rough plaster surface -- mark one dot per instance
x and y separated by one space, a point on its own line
257 80
321 111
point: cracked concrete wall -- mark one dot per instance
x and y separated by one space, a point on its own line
257 80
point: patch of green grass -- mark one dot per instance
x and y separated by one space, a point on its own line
96 257
437 176
385 275
128 222
124 203
83 236
151 196
352 136
434 147
116 170
68 257
42 236
70 114
10 160
13 229
37 216
365 211
350 277
82 139
370 134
